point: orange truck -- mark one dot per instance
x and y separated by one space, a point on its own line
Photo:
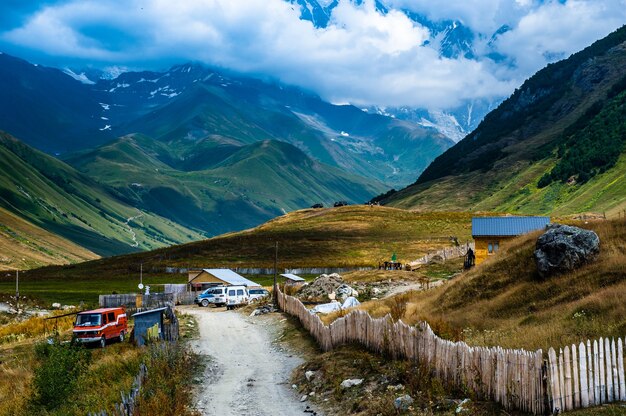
100 325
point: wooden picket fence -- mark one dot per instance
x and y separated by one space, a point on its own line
446 253
510 377
586 375
517 379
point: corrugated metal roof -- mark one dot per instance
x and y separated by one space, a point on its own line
230 277
150 311
292 277
507 226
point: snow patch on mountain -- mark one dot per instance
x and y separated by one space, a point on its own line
78 77
445 124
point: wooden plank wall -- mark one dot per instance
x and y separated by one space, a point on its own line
510 377
587 374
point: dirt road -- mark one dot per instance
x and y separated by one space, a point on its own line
248 375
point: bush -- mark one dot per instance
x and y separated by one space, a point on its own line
167 389
60 365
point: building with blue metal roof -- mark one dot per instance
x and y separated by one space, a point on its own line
490 232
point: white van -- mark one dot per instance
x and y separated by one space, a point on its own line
257 293
236 296
219 295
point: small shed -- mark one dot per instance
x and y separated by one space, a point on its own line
155 324
202 279
490 232
292 279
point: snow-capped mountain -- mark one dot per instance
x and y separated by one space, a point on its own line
452 39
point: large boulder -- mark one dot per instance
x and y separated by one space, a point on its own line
563 248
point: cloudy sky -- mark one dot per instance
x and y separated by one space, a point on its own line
362 56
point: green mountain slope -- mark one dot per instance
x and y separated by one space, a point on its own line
24 245
555 146
247 111
50 194
225 187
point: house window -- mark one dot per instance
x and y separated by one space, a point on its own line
493 246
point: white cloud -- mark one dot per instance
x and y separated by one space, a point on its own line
362 57
557 30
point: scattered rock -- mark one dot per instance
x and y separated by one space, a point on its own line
564 248
460 408
403 403
294 386
351 382
344 291
262 310
309 375
322 286
304 398
436 259
56 305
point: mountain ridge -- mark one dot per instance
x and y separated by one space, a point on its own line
499 165
54 196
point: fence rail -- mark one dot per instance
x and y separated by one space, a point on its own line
136 302
517 379
171 328
445 253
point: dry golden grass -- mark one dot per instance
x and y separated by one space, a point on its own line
350 236
503 301
370 276
16 364
19 239
33 328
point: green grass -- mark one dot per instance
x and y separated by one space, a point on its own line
250 185
48 291
52 195
498 166
351 236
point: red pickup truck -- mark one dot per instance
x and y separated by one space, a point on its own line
100 325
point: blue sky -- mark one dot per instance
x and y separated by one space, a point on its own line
362 56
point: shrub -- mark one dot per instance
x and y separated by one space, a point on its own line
397 306
167 389
59 368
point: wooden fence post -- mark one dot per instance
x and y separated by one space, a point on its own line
620 370
584 386
575 378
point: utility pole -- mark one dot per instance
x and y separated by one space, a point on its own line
17 291
275 271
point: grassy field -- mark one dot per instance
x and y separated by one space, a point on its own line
103 375
503 301
47 291
336 237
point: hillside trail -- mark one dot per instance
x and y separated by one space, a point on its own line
130 229
247 373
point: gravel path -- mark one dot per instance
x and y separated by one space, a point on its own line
247 375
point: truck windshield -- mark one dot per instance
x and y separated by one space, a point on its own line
88 319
